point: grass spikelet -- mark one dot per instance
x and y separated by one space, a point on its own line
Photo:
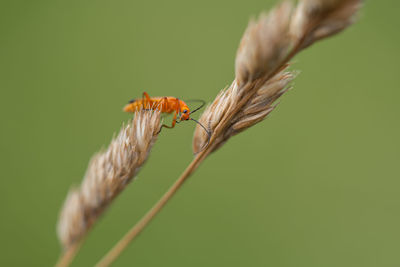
252 113
264 44
107 175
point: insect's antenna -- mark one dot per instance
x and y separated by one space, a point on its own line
208 132
197 100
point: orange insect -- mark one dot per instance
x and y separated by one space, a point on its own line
166 104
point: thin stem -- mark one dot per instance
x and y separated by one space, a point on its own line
68 256
113 254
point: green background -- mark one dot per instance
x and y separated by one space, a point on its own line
316 184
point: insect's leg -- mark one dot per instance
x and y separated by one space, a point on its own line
172 125
174 118
178 106
162 104
146 101
177 110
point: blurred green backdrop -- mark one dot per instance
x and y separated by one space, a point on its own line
316 184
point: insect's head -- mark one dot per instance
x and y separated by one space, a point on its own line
185 114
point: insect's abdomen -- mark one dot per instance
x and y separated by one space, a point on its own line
167 105
134 106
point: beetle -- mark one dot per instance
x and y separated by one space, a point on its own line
166 104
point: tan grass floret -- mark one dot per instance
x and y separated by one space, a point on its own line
107 175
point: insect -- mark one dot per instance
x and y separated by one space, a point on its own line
166 104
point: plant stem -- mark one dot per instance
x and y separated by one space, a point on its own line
68 256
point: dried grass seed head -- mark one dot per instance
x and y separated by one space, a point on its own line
253 112
264 50
107 175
